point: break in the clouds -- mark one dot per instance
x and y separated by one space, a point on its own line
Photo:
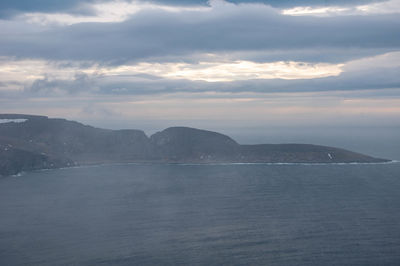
105 55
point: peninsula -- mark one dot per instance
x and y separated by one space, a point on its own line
30 142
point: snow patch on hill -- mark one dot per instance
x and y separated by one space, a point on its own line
3 121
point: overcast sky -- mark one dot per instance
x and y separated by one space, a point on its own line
212 64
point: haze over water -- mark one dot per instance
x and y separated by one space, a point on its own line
169 214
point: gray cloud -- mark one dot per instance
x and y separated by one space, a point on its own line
274 3
50 87
10 8
156 34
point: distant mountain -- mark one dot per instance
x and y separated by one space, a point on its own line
36 142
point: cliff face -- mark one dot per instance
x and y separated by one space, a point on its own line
37 142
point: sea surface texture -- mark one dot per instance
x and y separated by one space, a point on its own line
166 214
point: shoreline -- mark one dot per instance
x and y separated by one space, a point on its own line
195 164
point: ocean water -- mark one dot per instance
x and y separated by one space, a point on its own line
165 214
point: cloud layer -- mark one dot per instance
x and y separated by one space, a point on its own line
157 34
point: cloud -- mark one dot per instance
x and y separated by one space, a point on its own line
386 7
223 28
110 11
216 71
9 8
375 73
120 10
81 82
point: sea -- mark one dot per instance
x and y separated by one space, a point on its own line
216 214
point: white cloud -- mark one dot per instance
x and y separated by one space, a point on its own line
315 11
386 7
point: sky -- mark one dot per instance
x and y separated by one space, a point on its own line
240 67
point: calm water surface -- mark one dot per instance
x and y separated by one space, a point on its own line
202 215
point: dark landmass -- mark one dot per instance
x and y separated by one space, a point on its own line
37 142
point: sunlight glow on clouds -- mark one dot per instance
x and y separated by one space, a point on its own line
60 77
231 71
30 70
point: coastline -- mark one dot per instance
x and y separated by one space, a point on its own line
199 164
